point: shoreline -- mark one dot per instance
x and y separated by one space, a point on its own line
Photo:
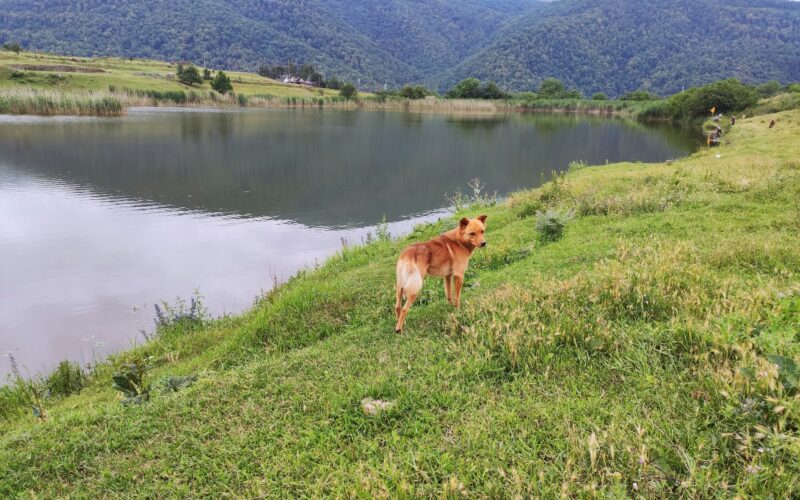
29 101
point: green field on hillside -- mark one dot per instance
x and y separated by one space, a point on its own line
648 351
46 72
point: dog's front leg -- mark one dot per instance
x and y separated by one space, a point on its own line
447 291
458 281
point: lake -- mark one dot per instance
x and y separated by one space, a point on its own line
102 218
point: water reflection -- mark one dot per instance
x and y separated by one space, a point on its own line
317 168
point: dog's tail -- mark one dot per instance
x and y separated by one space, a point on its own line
409 278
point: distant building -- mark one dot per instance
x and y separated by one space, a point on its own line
296 80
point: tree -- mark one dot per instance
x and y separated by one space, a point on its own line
572 94
273 72
206 74
469 88
492 91
770 88
599 96
188 75
221 83
414 92
348 91
638 95
333 83
306 71
727 96
12 47
551 88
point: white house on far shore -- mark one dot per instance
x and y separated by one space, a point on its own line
296 80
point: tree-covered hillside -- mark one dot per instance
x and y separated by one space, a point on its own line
612 46
615 46
384 41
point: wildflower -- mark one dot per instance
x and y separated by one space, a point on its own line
752 469
14 366
641 460
635 486
761 450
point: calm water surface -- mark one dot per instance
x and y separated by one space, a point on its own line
101 218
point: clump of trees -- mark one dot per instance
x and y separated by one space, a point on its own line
348 91
333 83
770 88
471 88
727 96
188 75
221 83
638 95
206 74
12 47
553 88
414 92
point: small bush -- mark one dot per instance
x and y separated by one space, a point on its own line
460 201
130 381
551 223
68 378
348 91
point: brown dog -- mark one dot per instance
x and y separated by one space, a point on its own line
445 256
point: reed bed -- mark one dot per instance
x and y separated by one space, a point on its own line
115 102
48 102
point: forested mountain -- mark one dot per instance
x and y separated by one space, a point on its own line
378 41
611 46
614 46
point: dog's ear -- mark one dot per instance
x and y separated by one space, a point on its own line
482 218
463 222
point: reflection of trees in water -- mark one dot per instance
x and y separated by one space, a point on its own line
476 123
317 167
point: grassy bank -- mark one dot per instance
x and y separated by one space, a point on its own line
632 355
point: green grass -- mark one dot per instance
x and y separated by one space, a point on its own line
119 73
609 361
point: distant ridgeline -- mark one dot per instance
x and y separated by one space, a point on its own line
613 46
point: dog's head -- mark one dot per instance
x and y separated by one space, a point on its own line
473 231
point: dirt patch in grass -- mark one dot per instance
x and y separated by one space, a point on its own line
57 67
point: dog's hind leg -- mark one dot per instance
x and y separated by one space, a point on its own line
410 298
409 283
447 289
398 304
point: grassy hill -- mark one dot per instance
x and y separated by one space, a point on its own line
70 74
632 356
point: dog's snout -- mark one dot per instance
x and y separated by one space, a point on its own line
483 244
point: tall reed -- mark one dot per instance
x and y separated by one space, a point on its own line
20 101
